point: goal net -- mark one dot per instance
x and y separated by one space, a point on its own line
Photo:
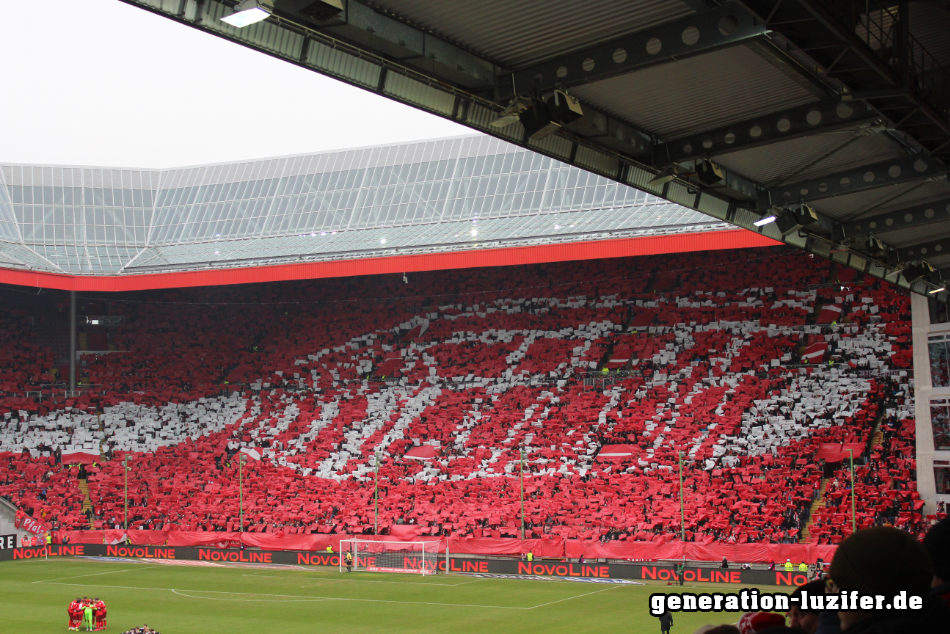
420 558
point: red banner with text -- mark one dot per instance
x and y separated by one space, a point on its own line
26 523
547 548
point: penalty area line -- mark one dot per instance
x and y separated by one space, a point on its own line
95 574
586 594
182 594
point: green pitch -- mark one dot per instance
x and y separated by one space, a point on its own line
187 599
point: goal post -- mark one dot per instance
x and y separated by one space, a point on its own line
421 558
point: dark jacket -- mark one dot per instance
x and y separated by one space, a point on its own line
933 619
666 621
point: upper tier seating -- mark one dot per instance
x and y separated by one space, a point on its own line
699 354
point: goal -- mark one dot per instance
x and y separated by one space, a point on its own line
421 558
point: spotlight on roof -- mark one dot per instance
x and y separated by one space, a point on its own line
914 272
544 118
661 179
794 219
937 289
510 114
249 12
873 246
708 172
319 10
761 222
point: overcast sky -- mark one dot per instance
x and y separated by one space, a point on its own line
99 82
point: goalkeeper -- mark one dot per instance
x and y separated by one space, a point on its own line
88 617
349 562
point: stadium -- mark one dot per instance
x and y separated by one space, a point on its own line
600 348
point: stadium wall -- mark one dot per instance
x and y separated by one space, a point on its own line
594 571
474 258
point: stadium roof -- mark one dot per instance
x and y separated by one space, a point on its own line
436 198
737 110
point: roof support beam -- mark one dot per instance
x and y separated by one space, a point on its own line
693 35
899 170
916 216
924 250
800 121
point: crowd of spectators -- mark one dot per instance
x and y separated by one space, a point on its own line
461 382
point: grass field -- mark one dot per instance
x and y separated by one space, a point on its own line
189 599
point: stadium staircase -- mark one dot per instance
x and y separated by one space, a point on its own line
877 436
813 512
86 501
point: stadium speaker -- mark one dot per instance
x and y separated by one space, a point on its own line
873 246
916 272
806 215
537 121
544 118
708 173
319 10
787 222
564 108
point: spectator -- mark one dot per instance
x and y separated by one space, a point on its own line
756 622
724 564
937 543
802 616
884 560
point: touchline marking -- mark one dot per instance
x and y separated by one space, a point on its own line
297 596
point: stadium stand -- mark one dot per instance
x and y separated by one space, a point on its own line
761 366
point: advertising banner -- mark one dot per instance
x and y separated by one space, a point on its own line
414 564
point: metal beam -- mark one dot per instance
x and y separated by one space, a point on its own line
72 341
924 250
899 170
382 75
800 121
693 35
916 216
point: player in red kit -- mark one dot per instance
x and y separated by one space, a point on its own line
100 610
75 614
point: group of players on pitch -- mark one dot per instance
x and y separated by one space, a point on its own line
87 613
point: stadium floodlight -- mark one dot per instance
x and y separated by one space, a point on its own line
661 179
761 222
915 272
873 245
794 219
544 118
249 12
938 289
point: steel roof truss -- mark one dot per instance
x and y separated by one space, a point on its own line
693 35
806 120
918 215
924 250
890 172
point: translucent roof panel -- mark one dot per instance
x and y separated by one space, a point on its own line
461 193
